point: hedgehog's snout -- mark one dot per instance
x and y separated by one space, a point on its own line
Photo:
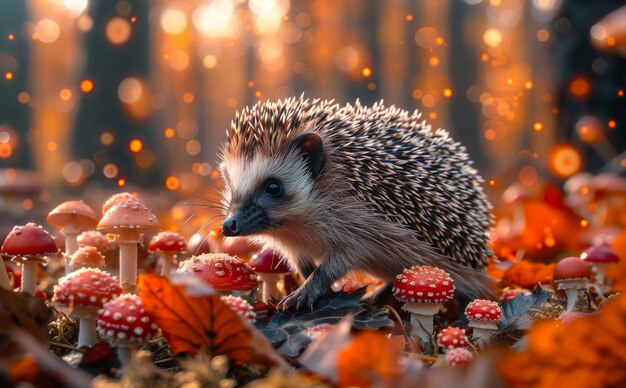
245 222
230 227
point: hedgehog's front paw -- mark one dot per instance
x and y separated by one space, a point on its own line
300 298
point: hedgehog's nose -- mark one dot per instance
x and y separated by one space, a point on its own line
230 227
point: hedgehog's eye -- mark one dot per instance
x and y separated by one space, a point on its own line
273 188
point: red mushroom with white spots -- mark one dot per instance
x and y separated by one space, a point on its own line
124 322
452 337
168 245
127 219
424 289
72 217
29 245
223 272
240 306
483 315
271 267
571 274
459 356
85 291
601 257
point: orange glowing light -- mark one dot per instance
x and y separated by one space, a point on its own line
257 93
549 241
133 19
447 92
484 57
620 93
121 182
86 86
490 134
11 36
528 176
612 124
528 85
492 37
409 18
188 97
564 160
27 204
538 126
439 40
5 150
52 146
172 183
579 87
433 61
250 84
8 76
118 30
169 133
366 72
432 115
584 223
543 35
492 182
135 145
65 94
23 97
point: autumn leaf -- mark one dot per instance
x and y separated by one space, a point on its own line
526 274
370 359
202 323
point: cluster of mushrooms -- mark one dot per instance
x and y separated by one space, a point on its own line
424 290
101 295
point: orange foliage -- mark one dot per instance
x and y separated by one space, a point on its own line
588 352
24 369
526 274
192 324
370 359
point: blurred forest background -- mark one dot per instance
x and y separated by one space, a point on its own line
97 95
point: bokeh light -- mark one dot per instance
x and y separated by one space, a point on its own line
173 21
118 30
47 31
564 160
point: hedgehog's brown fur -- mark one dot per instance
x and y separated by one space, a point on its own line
410 187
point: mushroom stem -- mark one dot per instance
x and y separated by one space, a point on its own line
572 297
4 277
87 325
270 287
128 240
601 270
422 327
29 276
482 336
167 259
71 246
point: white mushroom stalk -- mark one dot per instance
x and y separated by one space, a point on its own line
87 325
128 240
29 275
422 319
270 285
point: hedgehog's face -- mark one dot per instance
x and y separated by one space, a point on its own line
264 193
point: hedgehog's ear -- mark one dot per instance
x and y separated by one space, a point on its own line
311 147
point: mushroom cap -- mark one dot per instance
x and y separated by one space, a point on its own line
87 257
513 293
93 238
452 337
600 254
73 213
199 244
124 321
240 306
269 261
221 271
117 198
86 287
459 356
571 268
235 246
483 310
29 240
167 241
129 214
423 284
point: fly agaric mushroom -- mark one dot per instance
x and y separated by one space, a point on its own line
600 257
117 198
240 306
270 267
512 293
483 315
223 272
86 290
124 322
29 245
126 220
452 337
168 245
459 356
87 257
72 217
570 274
424 289
93 238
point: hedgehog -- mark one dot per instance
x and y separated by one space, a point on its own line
337 189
